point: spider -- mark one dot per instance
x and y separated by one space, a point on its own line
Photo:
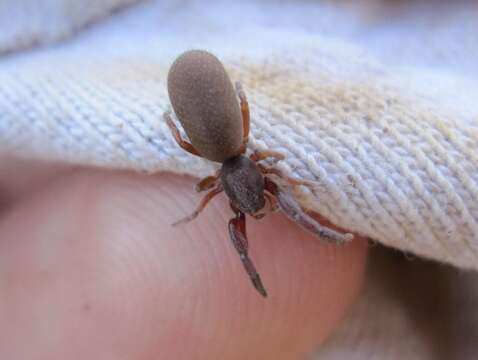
215 116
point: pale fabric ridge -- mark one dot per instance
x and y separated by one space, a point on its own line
386 124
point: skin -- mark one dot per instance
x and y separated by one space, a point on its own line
90 267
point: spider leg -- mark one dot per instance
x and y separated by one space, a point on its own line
207 183
177 136
246 117
292 209
265 154
237 232
290 180
258 216
273 205
202 204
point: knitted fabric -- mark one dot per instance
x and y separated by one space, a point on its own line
26 23
383 116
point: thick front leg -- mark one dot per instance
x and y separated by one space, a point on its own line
177 136
292 209
237 232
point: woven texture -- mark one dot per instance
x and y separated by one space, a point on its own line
383 116
26 23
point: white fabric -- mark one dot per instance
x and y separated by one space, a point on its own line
384 115
26 23
383 112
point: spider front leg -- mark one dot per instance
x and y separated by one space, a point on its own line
237 232
292 209
202 204
290 180
177 135
265 154
208 182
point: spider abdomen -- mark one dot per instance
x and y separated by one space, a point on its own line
206 104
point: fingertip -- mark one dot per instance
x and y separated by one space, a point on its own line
308 284
151 288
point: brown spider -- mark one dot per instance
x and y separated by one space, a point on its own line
217 124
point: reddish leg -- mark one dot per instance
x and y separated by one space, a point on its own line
177 136
290 180
262 155
207 183
292 209
246 117
237 232
205 200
